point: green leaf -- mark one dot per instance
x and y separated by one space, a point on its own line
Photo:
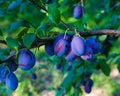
24 31
79 71
1 34
28 39
105 68
54 13
12 43
118 67
68 79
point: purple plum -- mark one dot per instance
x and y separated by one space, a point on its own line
12 65
88 54
78 12
60 48
78 45
94 44
34 76
70 56
3 74
11 81
26 60
49 49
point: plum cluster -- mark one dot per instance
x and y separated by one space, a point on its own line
72 47
26 61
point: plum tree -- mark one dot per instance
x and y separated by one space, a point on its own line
75 42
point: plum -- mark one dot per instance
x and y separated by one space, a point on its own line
88 54
61 44
87 88
11 81
68 37
12 65
78 45
49 49
61 47
70 56
94 44
87 83
34 76
78 12
3 74
26 59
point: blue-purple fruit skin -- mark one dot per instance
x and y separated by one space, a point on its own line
12 65
26 60
60 48
70 56
78 45
94 44
87 83
3 74
68 37
87 88
11 81
34 76
88 54
78 12
49 49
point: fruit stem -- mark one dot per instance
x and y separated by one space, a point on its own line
82 3
76 33
66 32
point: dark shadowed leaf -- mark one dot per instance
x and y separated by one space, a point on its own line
105 68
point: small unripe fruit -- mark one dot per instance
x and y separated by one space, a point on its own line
78 12
11 81
78 45
26 59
